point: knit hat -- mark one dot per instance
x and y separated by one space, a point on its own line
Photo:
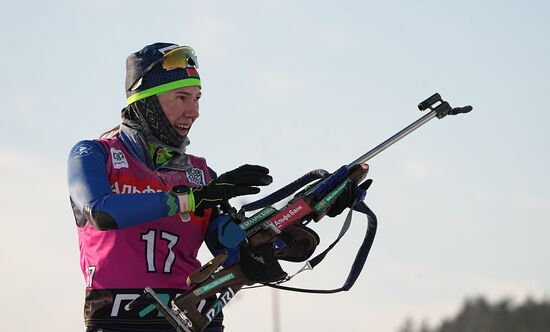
145 75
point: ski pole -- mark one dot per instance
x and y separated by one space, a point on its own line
439 109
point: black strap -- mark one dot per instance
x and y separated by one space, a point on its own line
286 190
358 263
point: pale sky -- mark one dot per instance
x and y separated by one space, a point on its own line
462 203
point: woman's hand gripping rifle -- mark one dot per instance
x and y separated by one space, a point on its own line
330 196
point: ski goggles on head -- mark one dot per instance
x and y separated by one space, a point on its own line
180 57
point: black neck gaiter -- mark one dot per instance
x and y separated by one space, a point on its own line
147 114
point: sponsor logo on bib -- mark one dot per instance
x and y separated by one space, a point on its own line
119 159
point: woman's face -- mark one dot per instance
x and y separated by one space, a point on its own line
181 107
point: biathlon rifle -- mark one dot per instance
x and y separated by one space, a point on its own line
214 280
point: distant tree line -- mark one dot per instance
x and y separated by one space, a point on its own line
478 315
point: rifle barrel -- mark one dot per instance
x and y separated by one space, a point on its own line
390 141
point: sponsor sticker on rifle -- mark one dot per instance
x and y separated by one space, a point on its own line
213 284
292 213
255 219
328 199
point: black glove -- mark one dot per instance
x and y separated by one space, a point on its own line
347 198
238 182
